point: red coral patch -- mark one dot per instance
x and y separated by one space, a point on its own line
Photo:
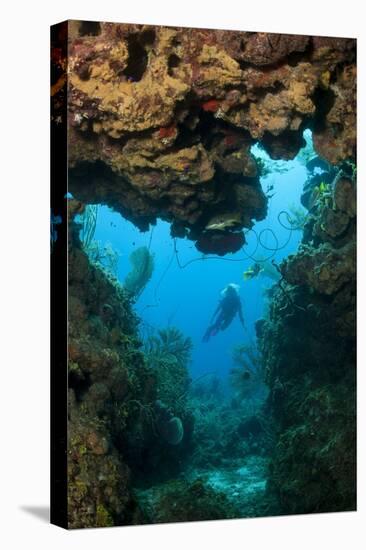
211 105
167 131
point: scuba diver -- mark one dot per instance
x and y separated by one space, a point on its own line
228 307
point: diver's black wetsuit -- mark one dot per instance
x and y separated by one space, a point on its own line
228 307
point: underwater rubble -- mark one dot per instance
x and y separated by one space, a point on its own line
161 120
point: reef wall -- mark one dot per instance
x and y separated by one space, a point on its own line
106 371
127 414
309 347
161 120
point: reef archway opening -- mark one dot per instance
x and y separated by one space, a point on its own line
262 245
168 144
287 300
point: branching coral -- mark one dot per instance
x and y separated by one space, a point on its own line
168 353
104 257
169 346
89 221
247 377
297 218
266 167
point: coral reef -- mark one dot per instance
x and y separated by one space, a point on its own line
142 262
161 120
160 453
168 353
247 376
308 345
185 501
324 269
170 427
117 426
104 257
297 217
230 427
89 223
110 387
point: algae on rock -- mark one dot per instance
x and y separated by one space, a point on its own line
106 371
309 348
154 138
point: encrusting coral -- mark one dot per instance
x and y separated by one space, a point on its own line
89 223
161 123
308 346
168 353
161 120
197 501
112 391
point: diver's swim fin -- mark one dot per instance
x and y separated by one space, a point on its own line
211 331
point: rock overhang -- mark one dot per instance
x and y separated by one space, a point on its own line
161 120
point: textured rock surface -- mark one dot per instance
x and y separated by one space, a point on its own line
324 269
106 371
161 122
309 347
161 119
114 432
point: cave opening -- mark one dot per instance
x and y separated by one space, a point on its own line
211 280
324 101
178 263
182 278
138 45
173 290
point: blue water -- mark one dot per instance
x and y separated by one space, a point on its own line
186 296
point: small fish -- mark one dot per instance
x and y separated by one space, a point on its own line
248 274
323 187
252 272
